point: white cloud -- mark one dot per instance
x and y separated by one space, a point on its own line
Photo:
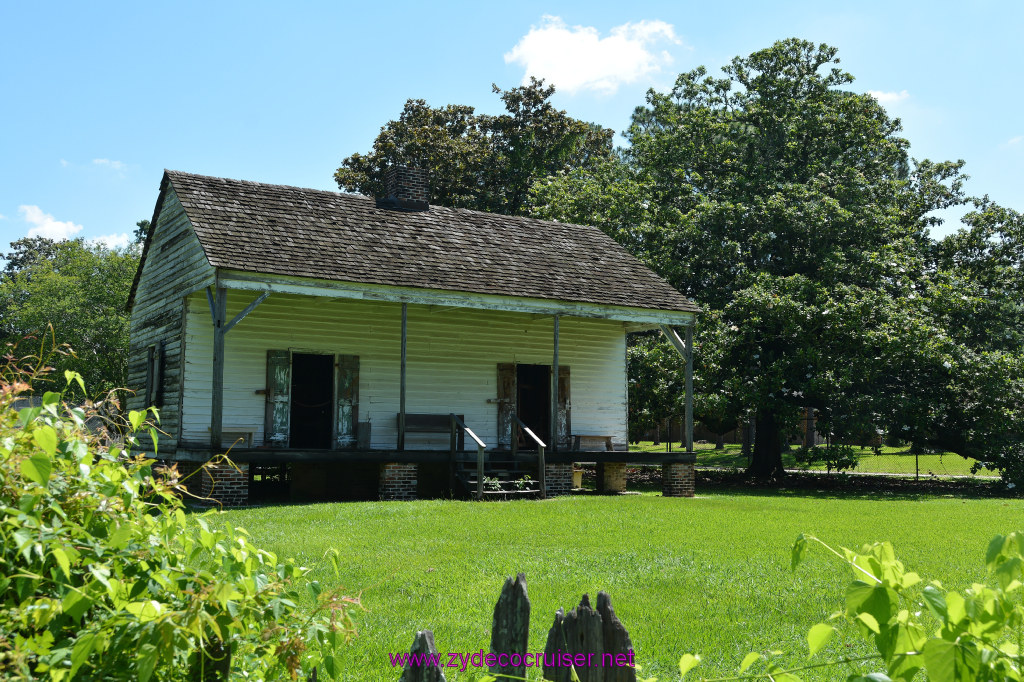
64 163
113 165
3 217
578 58
112 241
45 225
1015 140
889 97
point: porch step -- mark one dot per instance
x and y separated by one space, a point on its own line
509 481
499 483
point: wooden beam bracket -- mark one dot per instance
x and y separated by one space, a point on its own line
248 309
685 348
213 305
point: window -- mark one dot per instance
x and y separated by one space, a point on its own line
155 375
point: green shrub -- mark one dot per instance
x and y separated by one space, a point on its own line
835 456
104 575
917 627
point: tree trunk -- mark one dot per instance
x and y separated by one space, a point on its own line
720 442
809 427
767 460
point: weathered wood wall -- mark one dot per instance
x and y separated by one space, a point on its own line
453 354
175 266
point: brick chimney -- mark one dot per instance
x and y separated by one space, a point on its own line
405 188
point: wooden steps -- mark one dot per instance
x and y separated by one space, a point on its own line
504 479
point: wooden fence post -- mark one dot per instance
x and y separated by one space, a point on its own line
616 642
576 632
510 629
597 634
423 644
593 642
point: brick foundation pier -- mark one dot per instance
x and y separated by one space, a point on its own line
212 484
613 478
677 479
557 479
397 481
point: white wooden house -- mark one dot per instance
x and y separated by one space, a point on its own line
336 334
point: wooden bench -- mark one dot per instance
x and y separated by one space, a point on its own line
584 442
433 423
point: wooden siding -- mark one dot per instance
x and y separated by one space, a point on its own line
175 266
453 357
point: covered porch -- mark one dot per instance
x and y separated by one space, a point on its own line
395 393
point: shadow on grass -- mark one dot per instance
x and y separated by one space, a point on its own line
647 479
859 486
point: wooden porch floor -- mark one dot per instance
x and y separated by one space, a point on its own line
282 455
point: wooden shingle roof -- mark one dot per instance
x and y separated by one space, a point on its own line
300 232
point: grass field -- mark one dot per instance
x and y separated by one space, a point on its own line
708 575
889 461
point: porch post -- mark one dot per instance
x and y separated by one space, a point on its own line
685 348
218 309
689 388
553 442
401 383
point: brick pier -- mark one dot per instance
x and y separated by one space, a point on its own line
215 483
677 479
557 479
397 481
614 477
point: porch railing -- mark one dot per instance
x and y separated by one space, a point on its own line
540 453
480 447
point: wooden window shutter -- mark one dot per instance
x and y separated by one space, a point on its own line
506 402
347 418
279 386
158 376
150 375
564 408
155 375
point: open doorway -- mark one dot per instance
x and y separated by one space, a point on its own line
533 402
312 396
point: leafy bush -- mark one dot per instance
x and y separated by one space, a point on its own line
835 456
105 576
917 627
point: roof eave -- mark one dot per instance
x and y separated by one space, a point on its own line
306 286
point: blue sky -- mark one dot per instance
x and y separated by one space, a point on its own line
98 98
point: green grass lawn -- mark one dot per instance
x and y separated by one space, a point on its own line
889 461
708 575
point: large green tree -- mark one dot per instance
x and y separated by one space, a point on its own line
479 161
976 303
788 206
78 289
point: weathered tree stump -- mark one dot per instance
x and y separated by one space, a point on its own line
579 632
617 643
510 629
424 672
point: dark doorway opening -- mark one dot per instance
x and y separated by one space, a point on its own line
312 398
533 402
